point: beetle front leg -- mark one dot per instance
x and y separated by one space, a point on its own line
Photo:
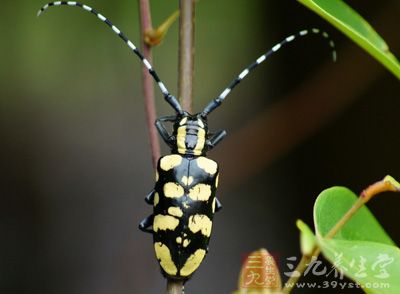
146 223
163 131
215 139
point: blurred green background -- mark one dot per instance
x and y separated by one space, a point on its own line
75 159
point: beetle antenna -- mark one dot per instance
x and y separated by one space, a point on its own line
218 101
168 97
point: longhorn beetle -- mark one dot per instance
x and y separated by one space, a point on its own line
184 198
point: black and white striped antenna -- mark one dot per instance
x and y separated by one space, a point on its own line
218 101
168 97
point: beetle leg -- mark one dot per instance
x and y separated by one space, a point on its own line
162 130
218 205
146 223
150 197
215 139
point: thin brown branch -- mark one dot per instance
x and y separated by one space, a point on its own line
185 79
174 287
366 195
186 53
148 90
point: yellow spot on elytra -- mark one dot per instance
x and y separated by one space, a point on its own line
156 199
164 256
186 242
180 140
170 161
193 262
201 139
208 165
217 181
187 180
173 190
157 176
164 222
175 211
200 222
213 204
183 121
179 240
200 192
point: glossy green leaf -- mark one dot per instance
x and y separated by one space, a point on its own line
362 250
332 204
374 266
307 238
343 17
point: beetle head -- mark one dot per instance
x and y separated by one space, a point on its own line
190 132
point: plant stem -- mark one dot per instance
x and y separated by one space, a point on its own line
148 90
300 268
174 287
185 79
186 53
336 228
365 196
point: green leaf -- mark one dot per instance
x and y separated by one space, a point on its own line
374 266
332 204
361 249
307 238
344 18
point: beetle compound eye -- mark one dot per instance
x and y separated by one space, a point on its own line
183 121
200 123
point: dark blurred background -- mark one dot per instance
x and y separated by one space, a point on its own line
75 159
